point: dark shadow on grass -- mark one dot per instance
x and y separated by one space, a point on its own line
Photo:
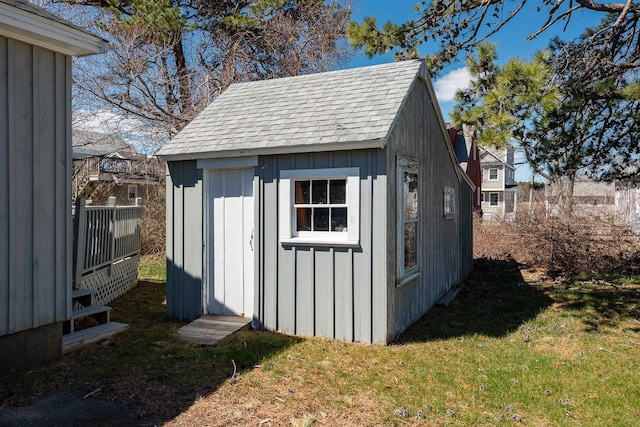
147 369
494 301
603 302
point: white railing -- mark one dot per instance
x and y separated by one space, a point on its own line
105 236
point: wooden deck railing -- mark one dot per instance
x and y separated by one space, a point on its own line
103 237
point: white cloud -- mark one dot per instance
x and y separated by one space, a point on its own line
134 131
104 121
447 86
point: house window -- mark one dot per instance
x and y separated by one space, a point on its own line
320 206
408 219
493 174
449 202
494 199
132 192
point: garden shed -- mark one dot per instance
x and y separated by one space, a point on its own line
36 48
329 205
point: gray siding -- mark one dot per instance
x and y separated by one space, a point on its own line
465 229
35 186
325 291
417 134
184 240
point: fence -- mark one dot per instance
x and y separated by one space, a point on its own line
106 248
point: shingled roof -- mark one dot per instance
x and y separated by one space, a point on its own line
344 109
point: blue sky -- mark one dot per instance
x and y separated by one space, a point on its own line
511 42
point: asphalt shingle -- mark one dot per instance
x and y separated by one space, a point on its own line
354 105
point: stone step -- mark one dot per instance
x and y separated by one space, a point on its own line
79 339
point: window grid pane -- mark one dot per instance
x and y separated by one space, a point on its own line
320 219
303 192
338 219
303 219
410 195
410 245
321 205
319 192
338 191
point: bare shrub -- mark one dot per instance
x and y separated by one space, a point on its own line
565 243
154 220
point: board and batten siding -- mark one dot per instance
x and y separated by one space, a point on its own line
417 134
335 292
184 240
465 229
35 186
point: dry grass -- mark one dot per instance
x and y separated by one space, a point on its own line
511 349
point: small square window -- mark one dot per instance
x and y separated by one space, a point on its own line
317 206
493 174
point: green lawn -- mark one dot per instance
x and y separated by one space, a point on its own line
512 348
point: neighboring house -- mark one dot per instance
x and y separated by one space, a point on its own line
627 203
105 165
617 200
499 187
468 155
35 186
328 205
584 197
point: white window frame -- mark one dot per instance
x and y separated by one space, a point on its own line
406 275
286 211
497 199
497 174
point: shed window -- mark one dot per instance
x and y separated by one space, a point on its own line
493 174
408 219
494 199
320 206
449 202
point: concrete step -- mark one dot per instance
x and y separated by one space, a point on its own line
79 339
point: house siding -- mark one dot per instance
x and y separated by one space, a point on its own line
35 176
184 240
325 291
443 259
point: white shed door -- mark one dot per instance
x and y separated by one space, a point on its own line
231 212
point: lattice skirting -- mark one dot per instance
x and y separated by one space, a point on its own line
112 281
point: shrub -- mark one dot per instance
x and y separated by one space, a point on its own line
563 243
